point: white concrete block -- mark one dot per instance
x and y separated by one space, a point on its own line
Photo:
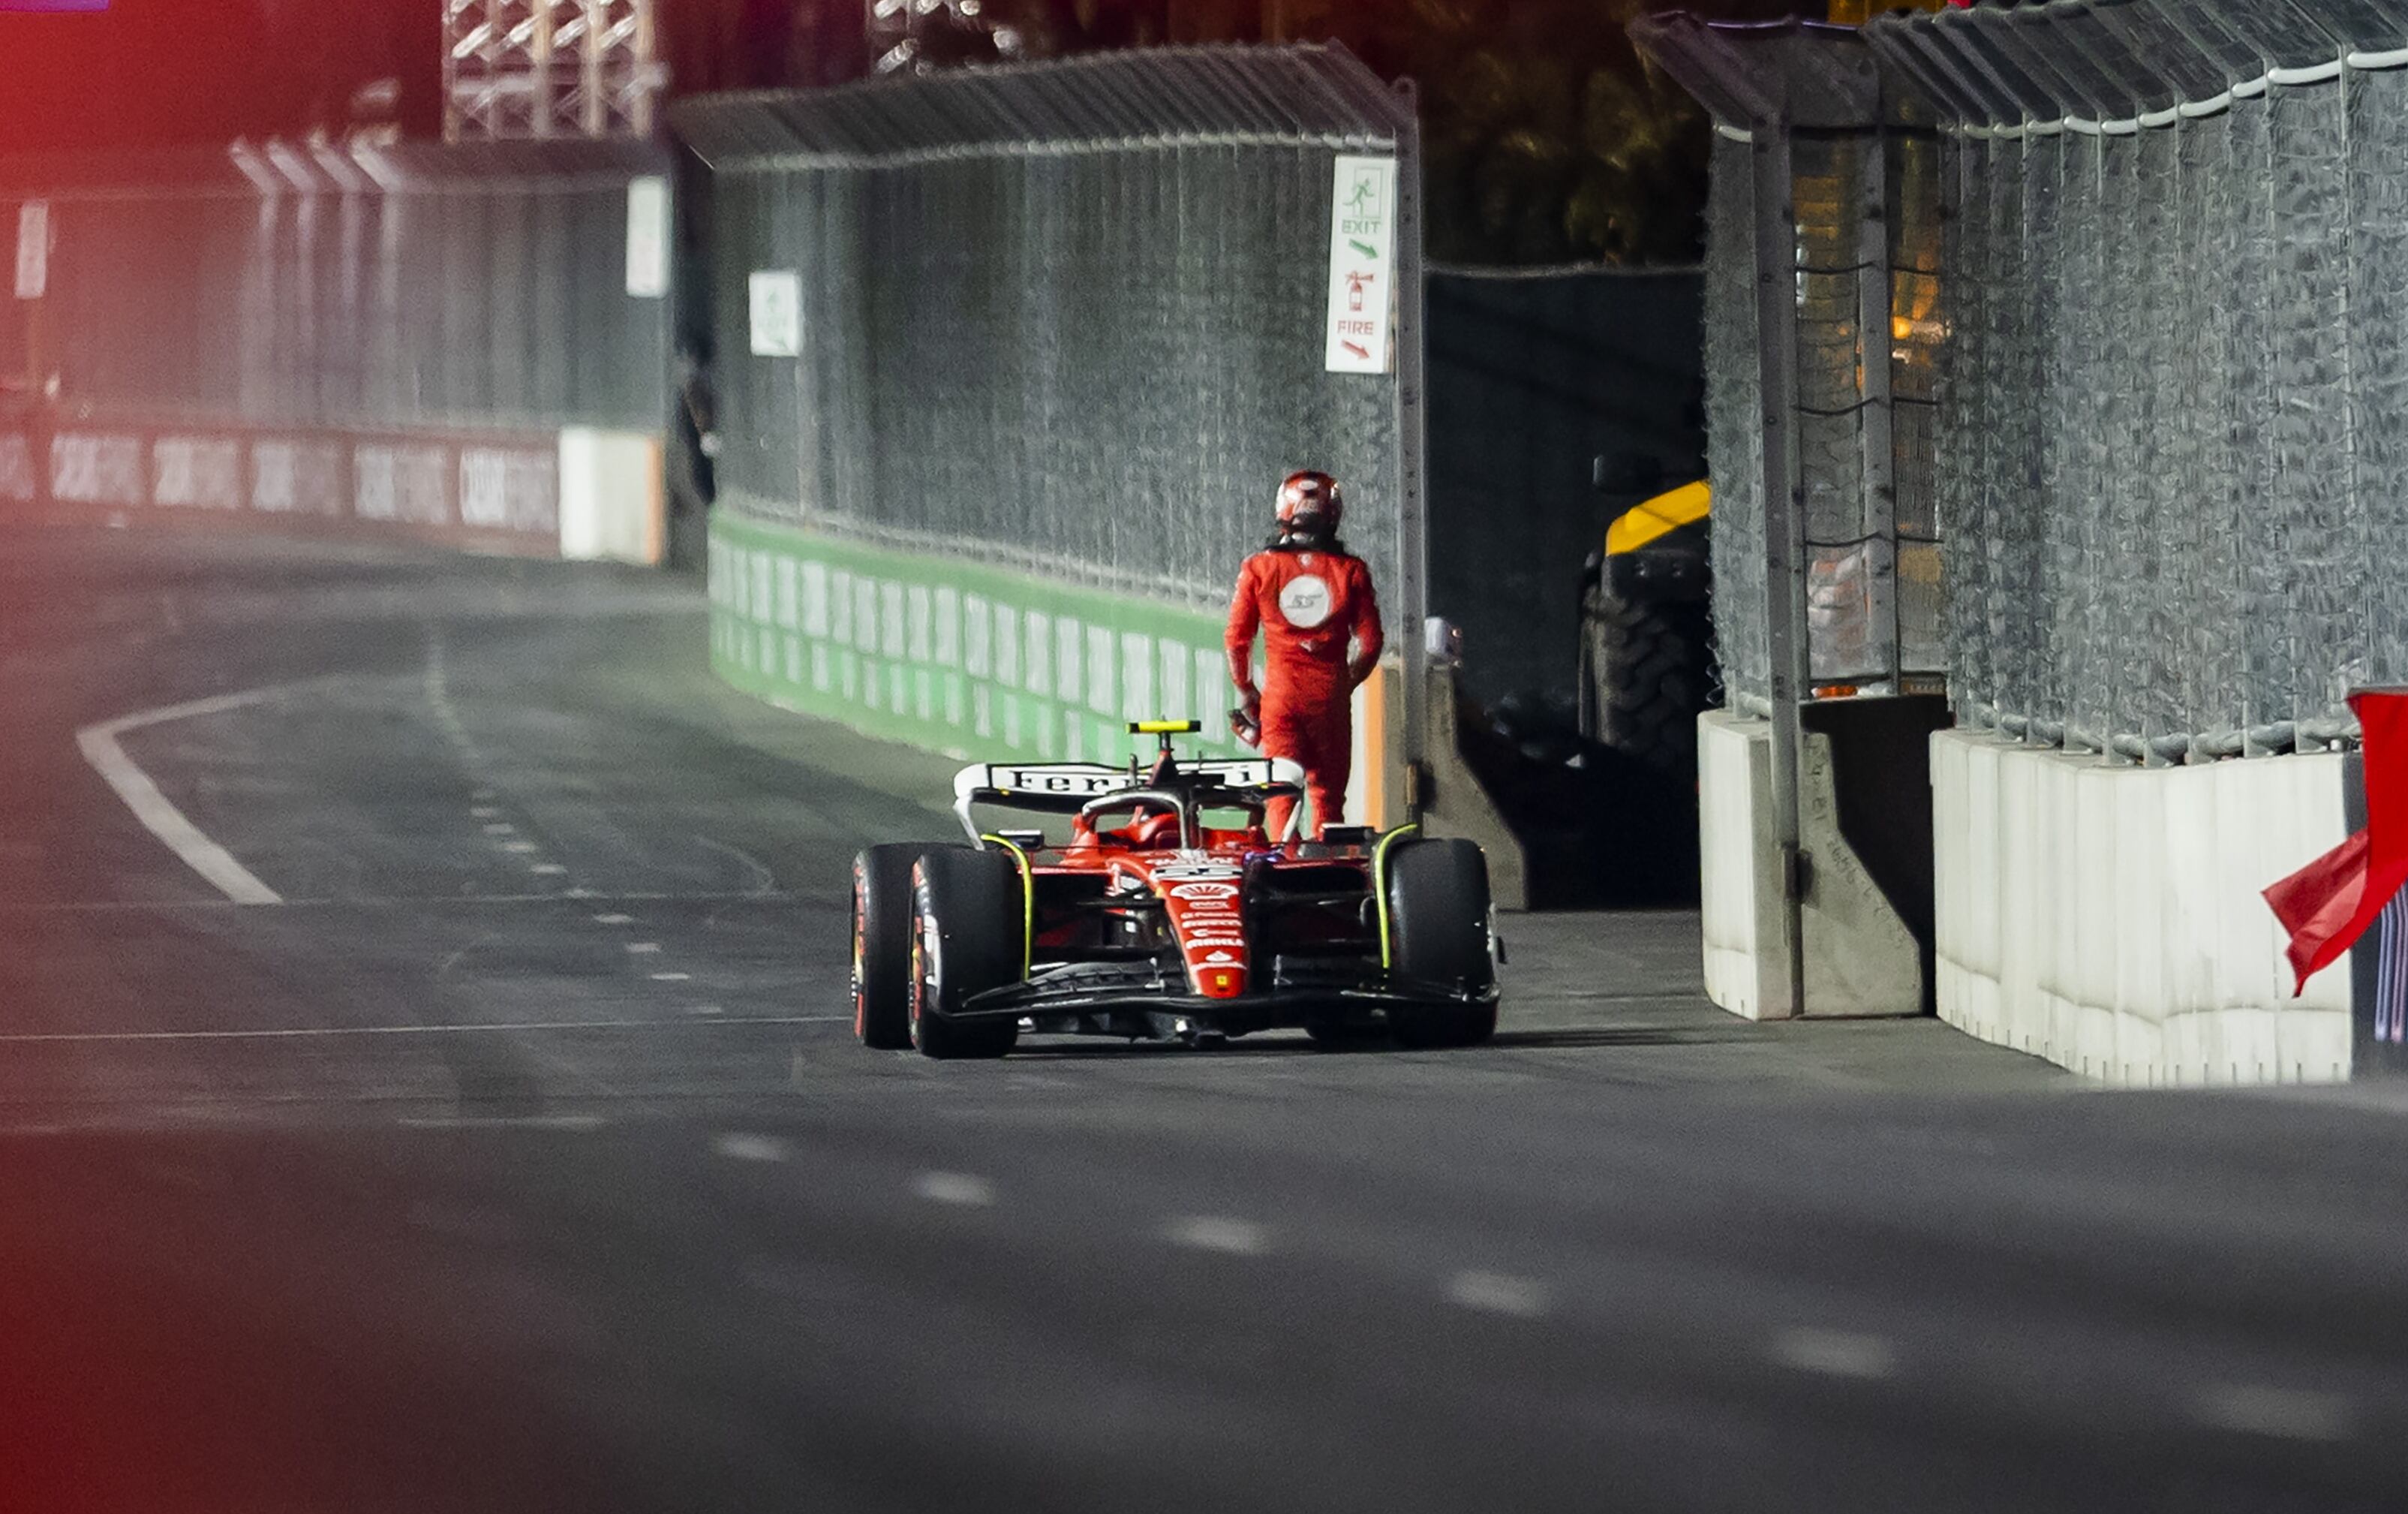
2119 929
612 503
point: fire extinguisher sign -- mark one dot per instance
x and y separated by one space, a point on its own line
1361 265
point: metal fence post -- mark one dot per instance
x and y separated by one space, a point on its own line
1412 441
1785 539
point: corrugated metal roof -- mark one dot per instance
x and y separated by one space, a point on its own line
1153 96
2097 60
294 167
1757 74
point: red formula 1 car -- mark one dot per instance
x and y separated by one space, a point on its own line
1166 912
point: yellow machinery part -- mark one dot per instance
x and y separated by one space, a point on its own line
1857 12
1658 517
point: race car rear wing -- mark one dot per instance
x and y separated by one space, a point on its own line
1067 789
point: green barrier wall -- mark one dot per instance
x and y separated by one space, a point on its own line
954 656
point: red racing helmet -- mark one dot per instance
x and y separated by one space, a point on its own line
1311 502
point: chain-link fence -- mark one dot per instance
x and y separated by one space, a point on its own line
481 287
2173 449
1820 187
1069 319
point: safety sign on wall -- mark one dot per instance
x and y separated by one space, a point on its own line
777 314
647 237
33 250
1361 265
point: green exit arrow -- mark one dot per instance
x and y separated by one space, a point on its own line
1364 247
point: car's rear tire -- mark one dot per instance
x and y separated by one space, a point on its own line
882 946
1439 936
968 925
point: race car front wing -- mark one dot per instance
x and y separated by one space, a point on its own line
1300 990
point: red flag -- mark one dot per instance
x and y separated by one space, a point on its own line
2327 905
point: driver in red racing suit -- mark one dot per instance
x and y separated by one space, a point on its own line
1313 603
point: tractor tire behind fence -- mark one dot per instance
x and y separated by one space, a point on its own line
1647 674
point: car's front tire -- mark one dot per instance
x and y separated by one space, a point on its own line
968 930
882 946
1439 936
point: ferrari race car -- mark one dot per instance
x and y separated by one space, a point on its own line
1166 912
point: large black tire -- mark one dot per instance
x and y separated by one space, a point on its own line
969 905
1438 934
882 946
1647 674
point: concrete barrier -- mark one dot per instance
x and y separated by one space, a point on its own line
2108 917
579 494
1860 957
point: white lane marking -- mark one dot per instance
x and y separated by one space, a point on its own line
327 1031
959 1188
2281 1413
1494 1292
484 812
643 948
1217 1232
751 1147
548 870
483 796
521 848
710 1012
672 977
99 746
1836 1353
582 1124
614 919
501 829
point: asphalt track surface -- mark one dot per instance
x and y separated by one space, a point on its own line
520 1157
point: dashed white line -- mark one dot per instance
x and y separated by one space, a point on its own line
581 1124
1836 1353
521 848
614 919
484 812
959 1188
643 948
2278 1413
501 828
1494 1292
672 977
1216 1233
751 1147
548 870
99 746
706 1012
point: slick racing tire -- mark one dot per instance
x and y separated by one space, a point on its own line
1439 934
967 924
882 946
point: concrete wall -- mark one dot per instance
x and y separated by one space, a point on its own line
2108 917
581 494
1860 957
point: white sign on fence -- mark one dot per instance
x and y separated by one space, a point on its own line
777 314
1361 265
647 239
33 250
